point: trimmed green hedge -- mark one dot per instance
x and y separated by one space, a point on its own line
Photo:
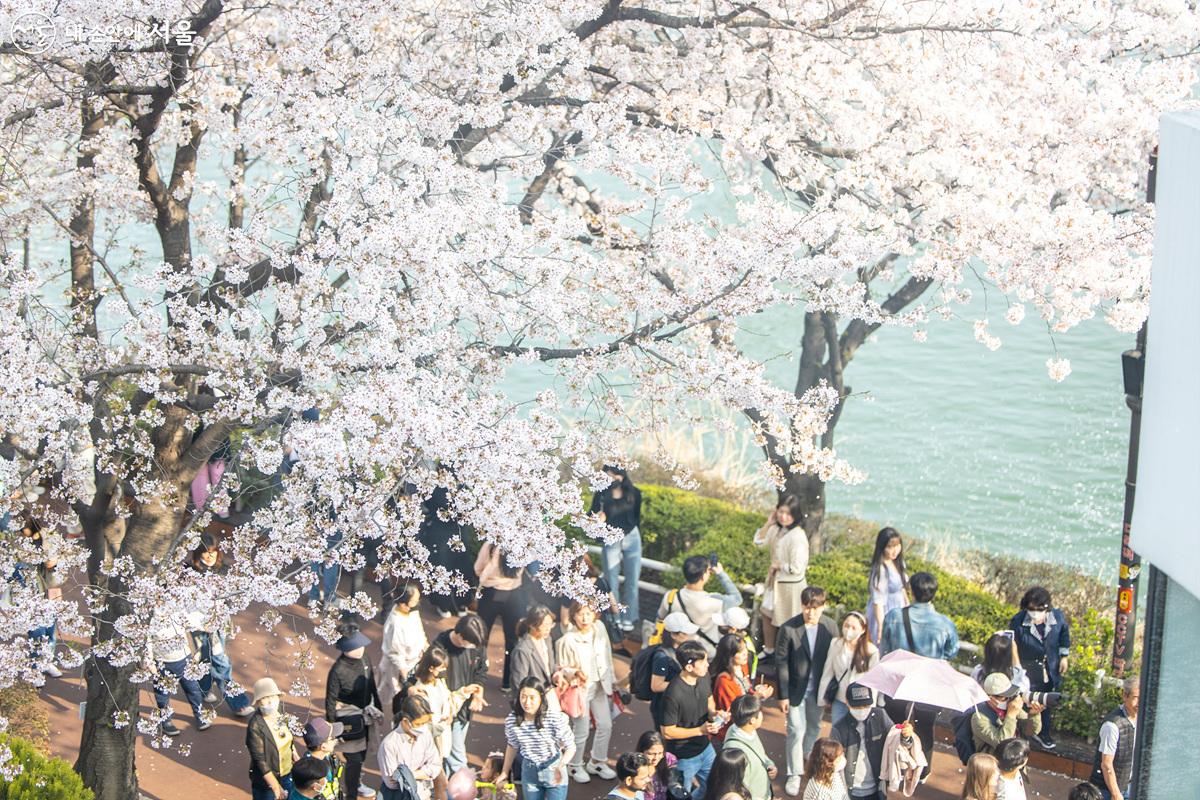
677 524
40 778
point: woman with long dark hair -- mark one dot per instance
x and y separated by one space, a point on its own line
887 580
428 679
726 781
1000 655
789 561
544 741
620 505
502 594
728 672
666 782
850 655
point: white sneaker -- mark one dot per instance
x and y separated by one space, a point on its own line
211 698
245 712
579 775
792 787
52 671
601 770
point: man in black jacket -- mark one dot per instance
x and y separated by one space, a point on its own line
862 733
352 698
468 664
800 652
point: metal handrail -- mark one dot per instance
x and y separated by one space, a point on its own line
755 590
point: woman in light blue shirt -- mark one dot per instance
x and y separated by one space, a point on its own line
887 581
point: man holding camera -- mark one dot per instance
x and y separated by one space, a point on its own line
700 606
1004 714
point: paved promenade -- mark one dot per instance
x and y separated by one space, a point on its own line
216 766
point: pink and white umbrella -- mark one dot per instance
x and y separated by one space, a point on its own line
902 675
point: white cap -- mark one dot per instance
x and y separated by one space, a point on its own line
735 618
679 622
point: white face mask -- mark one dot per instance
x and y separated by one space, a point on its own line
851 635
860 714
269 706
1038 617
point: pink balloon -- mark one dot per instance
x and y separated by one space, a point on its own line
461 785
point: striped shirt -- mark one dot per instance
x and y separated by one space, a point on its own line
539 745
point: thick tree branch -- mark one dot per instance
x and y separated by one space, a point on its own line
857 331
640 333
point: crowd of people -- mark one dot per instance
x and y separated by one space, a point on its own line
704 675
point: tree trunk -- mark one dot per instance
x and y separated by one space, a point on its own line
106 751
824 355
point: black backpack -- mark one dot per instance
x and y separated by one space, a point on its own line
964 741
640 672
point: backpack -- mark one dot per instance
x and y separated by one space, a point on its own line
964 741
640 672
657 636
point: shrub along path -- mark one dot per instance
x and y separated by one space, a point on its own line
216 767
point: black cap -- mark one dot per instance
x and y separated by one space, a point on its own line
858 696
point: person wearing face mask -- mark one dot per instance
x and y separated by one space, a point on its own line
429 681
320 738
825 768
272 750
352 698
862 732
1003 715
850 655
412 745
1043 640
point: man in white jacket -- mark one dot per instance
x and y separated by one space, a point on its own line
700 606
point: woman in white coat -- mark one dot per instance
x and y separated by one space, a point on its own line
585 653
403 642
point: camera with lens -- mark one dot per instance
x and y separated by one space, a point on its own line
1046 699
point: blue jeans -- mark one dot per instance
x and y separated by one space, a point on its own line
191 688
1108 795
697 767
837 710
626 554
803 728
535 782
327 581
456 759
266 794
220 671
44 637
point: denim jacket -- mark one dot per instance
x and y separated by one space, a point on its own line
934 634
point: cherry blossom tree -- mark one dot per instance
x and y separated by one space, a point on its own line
217 215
